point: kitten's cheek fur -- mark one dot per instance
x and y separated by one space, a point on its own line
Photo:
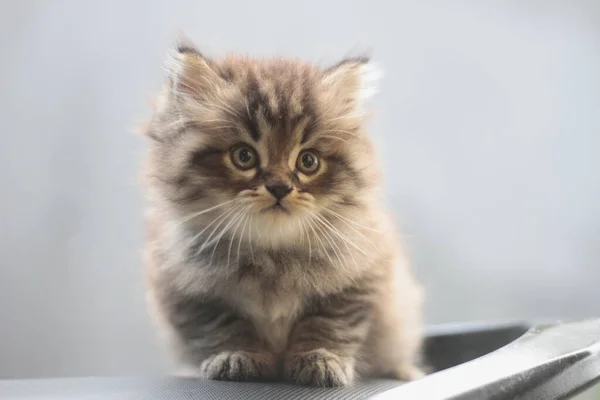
240 366
319 367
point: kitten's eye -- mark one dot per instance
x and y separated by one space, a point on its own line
244 157
308 162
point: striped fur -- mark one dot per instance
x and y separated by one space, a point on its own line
314 290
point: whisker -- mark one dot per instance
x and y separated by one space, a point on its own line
223 231
185 219
350 221
334 230
357 232
206 242
331 241
250 237
301 231
244 212
260 237
206 227
320 241
338 251
242 237
341 235
304 231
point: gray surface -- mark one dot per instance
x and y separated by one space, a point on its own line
487 122
180 389
446 346
548 362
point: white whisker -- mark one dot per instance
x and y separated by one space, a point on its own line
331 241
206 242
250 236
341 235
345 240
241 219
304 231
301 231
350 221
185 219
208 226
223 231
248 214
320 241
337 251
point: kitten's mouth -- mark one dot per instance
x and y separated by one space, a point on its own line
277 207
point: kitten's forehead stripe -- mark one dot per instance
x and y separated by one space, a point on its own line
252 94
309 106
279 93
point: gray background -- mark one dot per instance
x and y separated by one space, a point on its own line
487 123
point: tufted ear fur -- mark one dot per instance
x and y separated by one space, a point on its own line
353 80
190 72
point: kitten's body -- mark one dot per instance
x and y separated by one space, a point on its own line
317 285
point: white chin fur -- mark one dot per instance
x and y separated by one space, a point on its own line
274 229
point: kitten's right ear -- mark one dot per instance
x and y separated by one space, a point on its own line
353 80
189 72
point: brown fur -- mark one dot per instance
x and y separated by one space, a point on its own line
316 290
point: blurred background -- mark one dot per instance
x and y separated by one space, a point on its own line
487 122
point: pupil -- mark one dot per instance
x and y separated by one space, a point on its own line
245 155
308 160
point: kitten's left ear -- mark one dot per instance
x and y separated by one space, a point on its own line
189 71
353 80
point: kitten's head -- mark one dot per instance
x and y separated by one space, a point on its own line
270 141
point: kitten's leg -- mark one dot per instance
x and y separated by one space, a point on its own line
218 343
393 347
324 343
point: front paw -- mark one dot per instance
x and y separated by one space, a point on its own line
318 367
238 366
408 372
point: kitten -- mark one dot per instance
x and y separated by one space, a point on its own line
269 254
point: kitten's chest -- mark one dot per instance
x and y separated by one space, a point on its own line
269 292
270 284
272 313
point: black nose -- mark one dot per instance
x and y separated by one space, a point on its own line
279 190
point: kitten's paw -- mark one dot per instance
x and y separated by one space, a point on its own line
239 366
409 372
318 367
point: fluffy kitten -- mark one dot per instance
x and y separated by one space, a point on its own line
269 254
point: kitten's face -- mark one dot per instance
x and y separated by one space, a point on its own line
275 144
